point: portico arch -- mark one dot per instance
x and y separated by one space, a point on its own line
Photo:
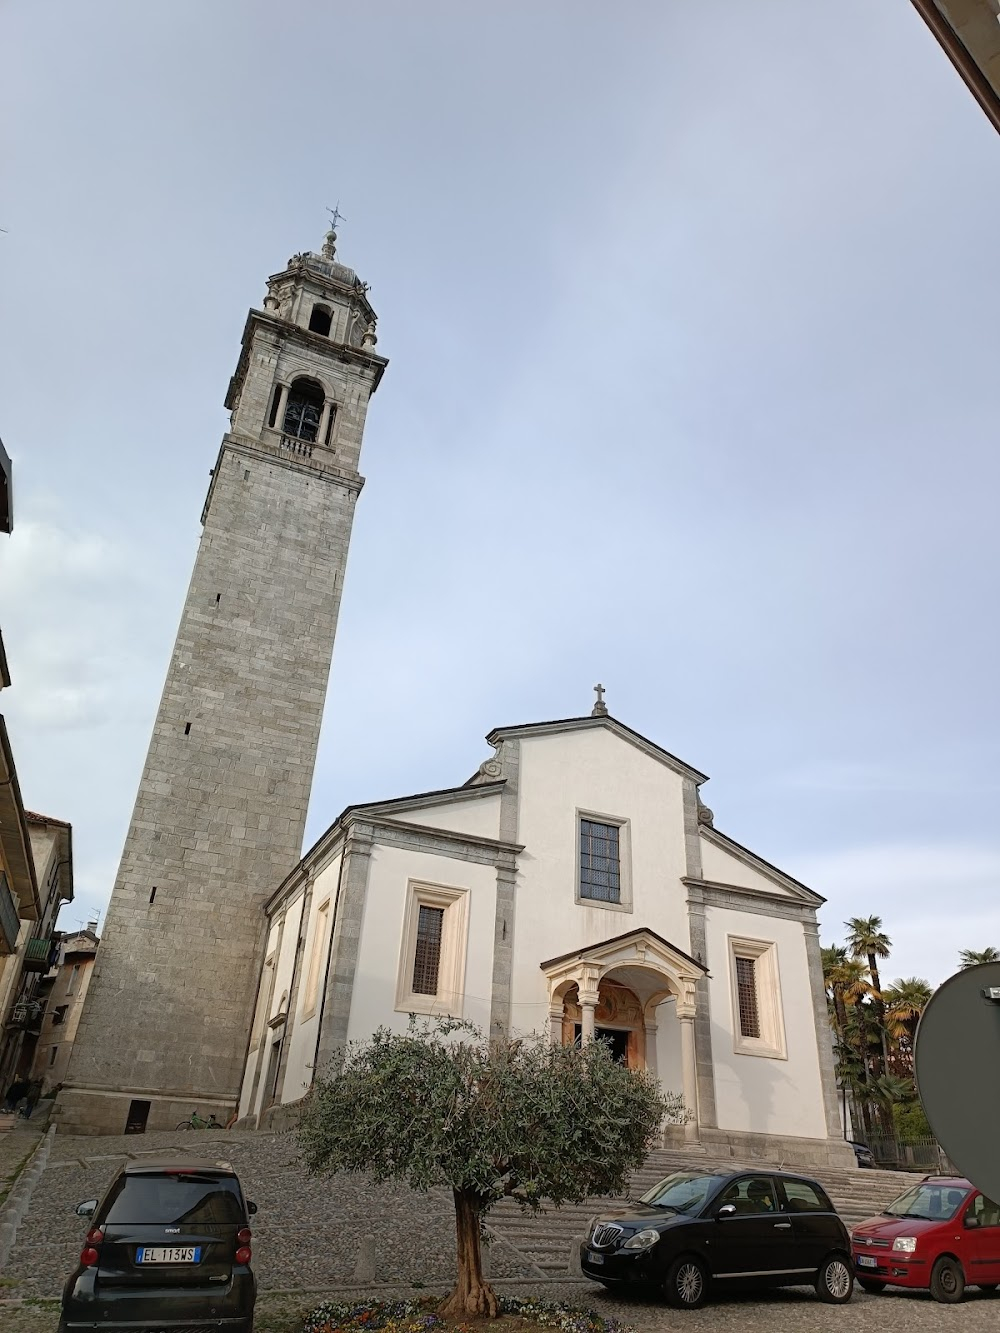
634 973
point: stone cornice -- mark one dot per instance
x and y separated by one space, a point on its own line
286 333
711 893
800 891
609 723
260 451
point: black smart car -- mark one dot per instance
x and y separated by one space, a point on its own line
696 1232
168 1246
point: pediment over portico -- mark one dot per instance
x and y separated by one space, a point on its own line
668 968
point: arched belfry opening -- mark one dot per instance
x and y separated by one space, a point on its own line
304 410
320 319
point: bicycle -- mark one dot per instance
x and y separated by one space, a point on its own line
195 1121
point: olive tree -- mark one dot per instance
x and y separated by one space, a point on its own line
441 1105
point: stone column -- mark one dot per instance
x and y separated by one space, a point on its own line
651 1062
323 422
279 420
556 1024
689 1075
588 1003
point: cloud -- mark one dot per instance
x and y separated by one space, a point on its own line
934 898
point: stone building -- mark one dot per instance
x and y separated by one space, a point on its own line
51 847
575 887
61 995
969 34
221 808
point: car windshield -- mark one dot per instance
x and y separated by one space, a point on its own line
932 1202
683 1192
192 1200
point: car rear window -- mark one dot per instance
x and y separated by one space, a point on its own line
175 1200
804 1197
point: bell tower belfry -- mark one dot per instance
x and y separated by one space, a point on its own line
220 814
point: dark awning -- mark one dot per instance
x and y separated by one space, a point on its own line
6 491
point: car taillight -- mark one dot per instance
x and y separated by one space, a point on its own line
95 1235
243 1254
89 1257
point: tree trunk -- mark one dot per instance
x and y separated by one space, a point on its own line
472 1294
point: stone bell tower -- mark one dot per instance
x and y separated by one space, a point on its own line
220 814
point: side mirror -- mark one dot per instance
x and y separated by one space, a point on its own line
251 1208
87 1209
727 1210
971 1220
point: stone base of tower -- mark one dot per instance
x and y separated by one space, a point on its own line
85 1111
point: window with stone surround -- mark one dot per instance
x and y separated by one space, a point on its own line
602 861
317 955
758 1024
303 410
320 319
431 978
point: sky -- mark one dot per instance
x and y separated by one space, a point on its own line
691 317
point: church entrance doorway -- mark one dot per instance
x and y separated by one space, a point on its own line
616 1038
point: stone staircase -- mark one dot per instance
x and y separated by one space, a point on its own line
549 1239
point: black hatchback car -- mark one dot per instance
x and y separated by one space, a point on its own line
696 1232
168 1247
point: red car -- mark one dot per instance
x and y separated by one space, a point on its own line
942 1234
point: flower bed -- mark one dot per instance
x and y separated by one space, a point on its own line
516 1316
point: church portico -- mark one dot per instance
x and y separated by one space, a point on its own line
625 991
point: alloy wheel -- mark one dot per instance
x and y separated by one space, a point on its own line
690 1283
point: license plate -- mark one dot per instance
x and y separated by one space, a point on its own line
867 1261
596 1258
168 1254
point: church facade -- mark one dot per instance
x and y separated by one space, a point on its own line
574 887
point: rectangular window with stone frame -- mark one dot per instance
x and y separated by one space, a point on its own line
758 1022
431 975
602 861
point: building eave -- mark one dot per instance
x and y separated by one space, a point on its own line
588 949
609 723
797 889
972 46
14 832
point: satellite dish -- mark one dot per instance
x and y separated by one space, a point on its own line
956 1061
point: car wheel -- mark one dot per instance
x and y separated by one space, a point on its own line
835 1280
947 1281
686 1285
871 1284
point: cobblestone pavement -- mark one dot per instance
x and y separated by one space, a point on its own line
306 1234
306 1238
787 1311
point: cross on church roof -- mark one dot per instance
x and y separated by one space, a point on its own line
600 709
335 215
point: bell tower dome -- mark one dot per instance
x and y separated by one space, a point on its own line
220 813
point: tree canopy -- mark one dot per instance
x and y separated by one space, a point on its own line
441 1105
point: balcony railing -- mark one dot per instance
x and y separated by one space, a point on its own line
9 924
38 954
301 447
26 1014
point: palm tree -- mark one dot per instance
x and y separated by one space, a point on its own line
856 1048
905 1001
866 939
973 957
834 959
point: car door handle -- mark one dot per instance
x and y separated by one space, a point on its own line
779 1226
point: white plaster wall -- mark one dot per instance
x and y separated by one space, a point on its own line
258 1029
598 772
303 1032
668 1047
756 1093
480 817
373 1002
283 967
726 868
